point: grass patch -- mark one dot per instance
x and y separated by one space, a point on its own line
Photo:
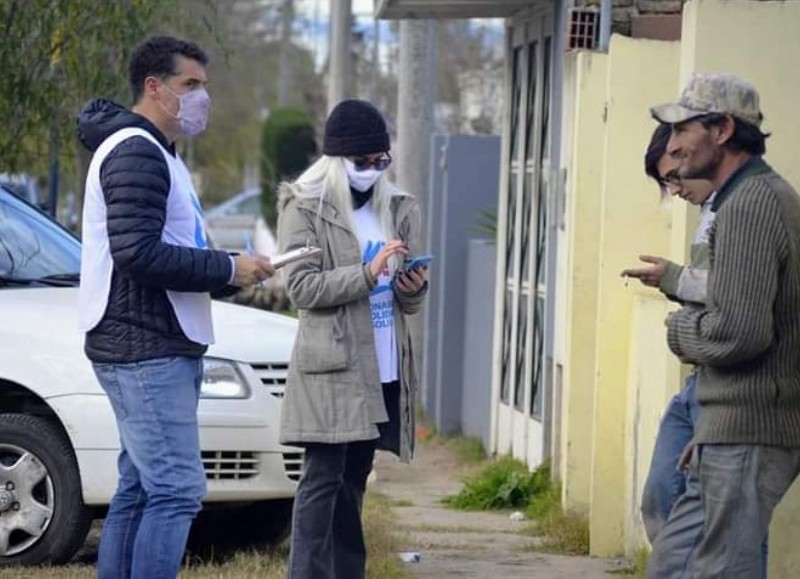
468 451
637 567
383 544
508 484
505 483
562 533
382 562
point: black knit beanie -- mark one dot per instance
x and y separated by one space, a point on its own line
355 127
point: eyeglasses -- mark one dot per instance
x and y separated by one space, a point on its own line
379 163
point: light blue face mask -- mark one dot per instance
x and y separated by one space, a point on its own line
360 180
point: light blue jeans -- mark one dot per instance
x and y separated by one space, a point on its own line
740 486
672 502
161 477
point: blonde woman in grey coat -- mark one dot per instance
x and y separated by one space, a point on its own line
353 375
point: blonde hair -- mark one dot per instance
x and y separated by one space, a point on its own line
326 180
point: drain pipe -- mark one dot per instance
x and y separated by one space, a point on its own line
605 24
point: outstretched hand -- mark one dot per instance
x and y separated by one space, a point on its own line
649 276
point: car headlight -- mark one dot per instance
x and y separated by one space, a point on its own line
222 379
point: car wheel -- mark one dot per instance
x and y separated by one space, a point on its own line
218 532
42 515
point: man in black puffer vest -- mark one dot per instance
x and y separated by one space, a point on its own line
146 279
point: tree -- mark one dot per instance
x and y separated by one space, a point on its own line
54 55
288 146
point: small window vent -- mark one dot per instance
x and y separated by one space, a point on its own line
583 28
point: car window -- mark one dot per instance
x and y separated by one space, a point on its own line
250 206
31 244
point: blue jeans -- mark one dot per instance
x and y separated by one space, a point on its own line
665 483
327 537
161 477
672 502
740 486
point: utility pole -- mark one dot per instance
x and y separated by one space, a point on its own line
340 70
285 68
376 61
417 92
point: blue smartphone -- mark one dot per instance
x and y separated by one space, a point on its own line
415 262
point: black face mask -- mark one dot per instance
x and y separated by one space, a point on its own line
360 198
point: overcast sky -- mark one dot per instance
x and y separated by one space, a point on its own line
312 26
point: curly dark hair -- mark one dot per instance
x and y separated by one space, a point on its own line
155 56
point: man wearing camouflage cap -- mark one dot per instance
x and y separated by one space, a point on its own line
745 341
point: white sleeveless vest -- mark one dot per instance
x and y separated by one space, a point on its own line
192 309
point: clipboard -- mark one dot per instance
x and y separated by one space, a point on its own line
298 254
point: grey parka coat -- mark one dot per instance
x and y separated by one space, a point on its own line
333 391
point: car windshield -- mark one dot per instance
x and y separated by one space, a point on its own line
33 246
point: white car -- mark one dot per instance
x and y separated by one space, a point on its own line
233 221
58 438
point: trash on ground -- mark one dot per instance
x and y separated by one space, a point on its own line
410 557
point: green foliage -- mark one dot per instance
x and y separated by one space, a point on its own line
505 483
55 54
563 533
287 147
486 225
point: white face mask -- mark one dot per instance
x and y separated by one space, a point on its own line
193 107
360 180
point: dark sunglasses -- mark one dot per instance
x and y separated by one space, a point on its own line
364 163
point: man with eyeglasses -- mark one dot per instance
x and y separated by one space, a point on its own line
745 339
666 485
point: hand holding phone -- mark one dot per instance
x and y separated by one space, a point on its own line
416 262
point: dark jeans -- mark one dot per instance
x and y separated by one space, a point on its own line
327 537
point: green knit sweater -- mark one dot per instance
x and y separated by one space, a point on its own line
746 340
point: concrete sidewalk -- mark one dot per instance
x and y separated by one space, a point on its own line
472 545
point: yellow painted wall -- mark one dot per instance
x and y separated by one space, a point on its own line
586 72
640 72
761 42
654 375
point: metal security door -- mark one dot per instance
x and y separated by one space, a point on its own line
521 301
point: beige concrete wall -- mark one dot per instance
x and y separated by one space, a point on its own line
640 72
613 215
584 144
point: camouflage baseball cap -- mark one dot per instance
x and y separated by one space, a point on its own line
712 92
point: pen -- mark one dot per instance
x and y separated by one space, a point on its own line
248 247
